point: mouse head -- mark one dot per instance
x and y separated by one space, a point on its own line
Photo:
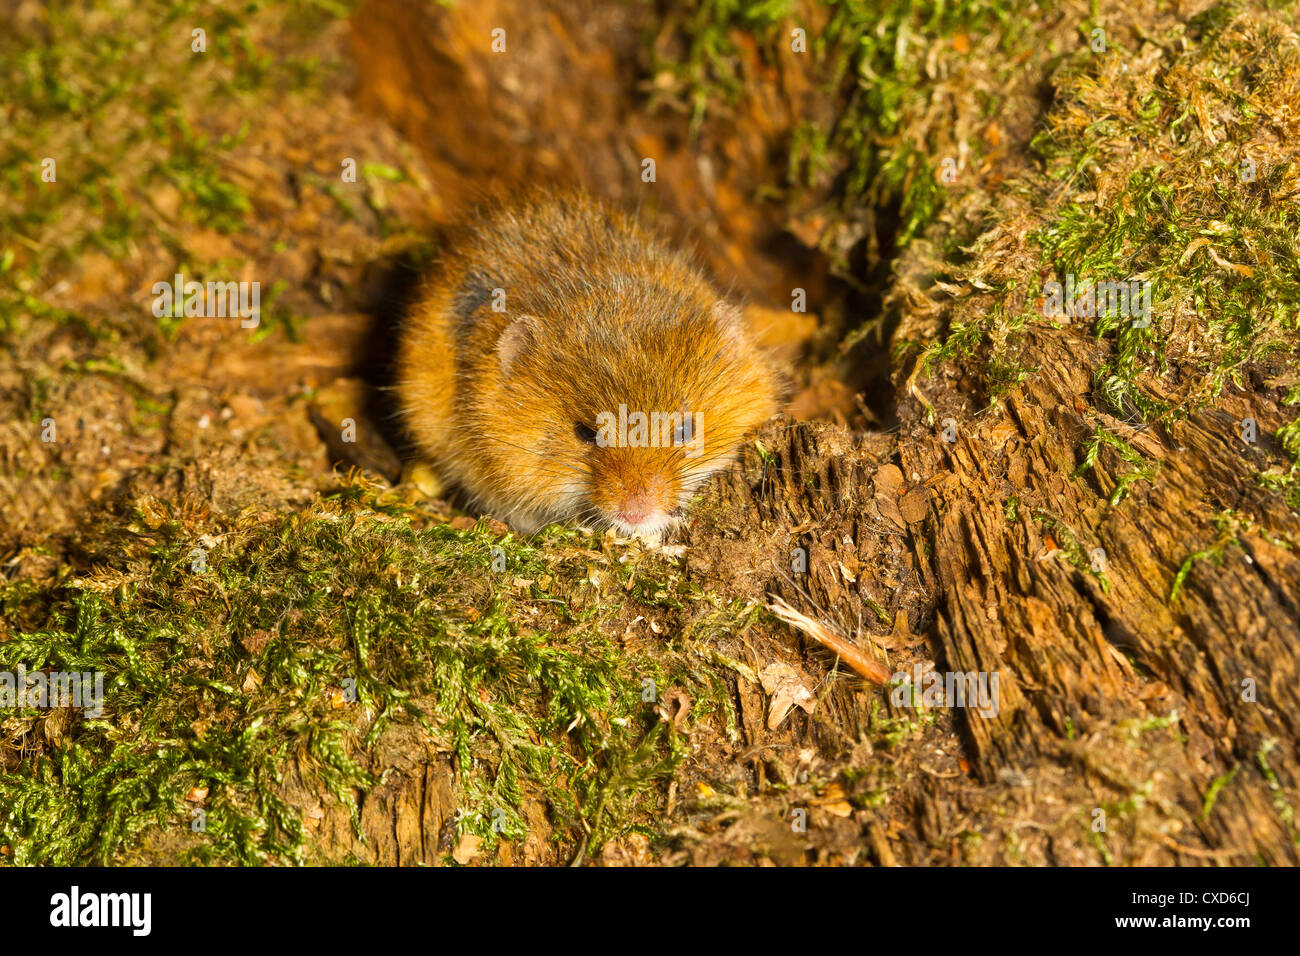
618 422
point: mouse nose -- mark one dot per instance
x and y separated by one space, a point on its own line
632 514
635 508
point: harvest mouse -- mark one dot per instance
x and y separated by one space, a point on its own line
564 364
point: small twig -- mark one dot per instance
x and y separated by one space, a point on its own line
866 666
1192 851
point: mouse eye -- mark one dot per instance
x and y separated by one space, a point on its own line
584 432
683 433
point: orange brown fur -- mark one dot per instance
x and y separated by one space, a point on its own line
597 313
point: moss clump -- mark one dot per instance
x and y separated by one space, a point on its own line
706 73
231 649
1285 479
1160 165
1180 188
885 144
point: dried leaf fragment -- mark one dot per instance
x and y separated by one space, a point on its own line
782 684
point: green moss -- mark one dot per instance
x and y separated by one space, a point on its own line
706 74
1212 794
1136 726
1286 480
1285 812
1102 438
871 56
297 642
1229 526
1183 189
1193 218
133 78
964 339
894 730
1004 374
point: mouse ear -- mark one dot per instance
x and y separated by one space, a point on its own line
514 340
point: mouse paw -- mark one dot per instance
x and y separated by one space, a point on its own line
524 522
424 477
